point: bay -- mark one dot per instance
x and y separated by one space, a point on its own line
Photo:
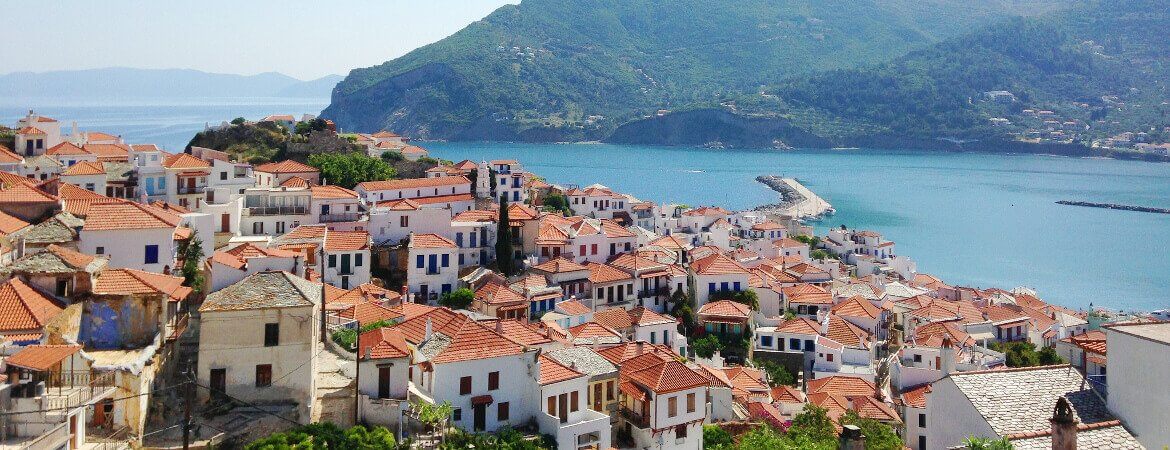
972 219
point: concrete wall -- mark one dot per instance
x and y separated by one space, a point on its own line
951 417
127 248
1138 370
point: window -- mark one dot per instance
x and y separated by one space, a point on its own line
151 255
593 249
263 375
419 261
62 288
766 341
502 411
332 261
446 260
493 381
921 442
917 358
691 402
464 385
672 406
258 228
922 421
100 250
808 345
552 406
829 357
459 240
612 248
653 337
573 406
404 221
680 432
457 414
357 260
582 250
735 286
609 390
710 287
223 175
271 334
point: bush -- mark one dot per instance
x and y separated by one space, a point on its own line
706 346
347 338
326 435
458 299
349 169
778 375
716 438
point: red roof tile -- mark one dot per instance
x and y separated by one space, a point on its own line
42 357
286 166
411 183
430 240
552 371
23 308
383 343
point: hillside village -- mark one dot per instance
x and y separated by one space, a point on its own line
151 296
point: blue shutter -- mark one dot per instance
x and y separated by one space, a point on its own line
151 254
459 240
473 236
446 260
419 261
710 287
736 285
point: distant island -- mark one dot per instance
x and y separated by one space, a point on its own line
122 82
1079 78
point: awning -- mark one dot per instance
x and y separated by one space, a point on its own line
481 400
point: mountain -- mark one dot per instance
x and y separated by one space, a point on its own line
149 83
550 70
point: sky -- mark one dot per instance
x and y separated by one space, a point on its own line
302 39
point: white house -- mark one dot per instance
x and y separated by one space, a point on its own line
384 372
717 272
392 221
663 402
449 193
275 174
132 235
227 267
1139 365
432 266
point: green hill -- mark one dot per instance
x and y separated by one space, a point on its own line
546 70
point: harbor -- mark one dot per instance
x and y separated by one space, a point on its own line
796 200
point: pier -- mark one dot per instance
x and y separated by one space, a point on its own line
1115 206
795 199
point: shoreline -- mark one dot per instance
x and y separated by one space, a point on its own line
796 200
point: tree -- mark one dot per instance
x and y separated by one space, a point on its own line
706 346
982 443
457 299
326 435
504 261
349 169
716 438
814 423
557 203
193 263
878 436
1048 357
347 337
309 126
747 297
238 121
778 375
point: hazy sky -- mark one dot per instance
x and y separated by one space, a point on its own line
299 38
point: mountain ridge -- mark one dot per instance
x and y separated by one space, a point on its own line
149 83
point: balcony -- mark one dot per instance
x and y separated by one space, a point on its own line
339 217
277 210
585 428
191 189
634 418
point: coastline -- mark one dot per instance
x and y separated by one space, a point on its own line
796 200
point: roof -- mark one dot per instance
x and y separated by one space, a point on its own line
915 396
65 148
661 375
841 385
1102 435
494 293
184 161
857 306
10 224
402 204
41 357
718 264
457 338
552 371
430 240
55 259
264 290
707 211
23 193
130 281
726 308
331 191
411 183
237 257
109 152
346 241
559 265
1021 400
286 166
8 157
573 307
625 351
593 332
1156 332
799 325
367 313
127 216
23 308
605 273
584 360
383 343
85 168
295 182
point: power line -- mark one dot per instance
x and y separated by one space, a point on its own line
252 405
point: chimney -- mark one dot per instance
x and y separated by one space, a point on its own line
851 438
640 346
499 326
427 334
1064 426
947 357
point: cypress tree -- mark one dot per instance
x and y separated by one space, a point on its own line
504 241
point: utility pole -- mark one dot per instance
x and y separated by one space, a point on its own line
188 399
357 372
321 264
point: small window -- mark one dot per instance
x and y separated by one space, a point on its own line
691 402
332 261
609 390
263 375
502 411
151 254
573 406
271 334
62 288
404 221
493 381
457 414
223 175
672 406
357 260
922 421
464 385
680 432
100 250
829 357
917 358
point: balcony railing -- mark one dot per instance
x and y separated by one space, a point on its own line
50 438
339 217
278 210
634 418
179 326
192 189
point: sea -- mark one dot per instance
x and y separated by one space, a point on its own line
972 219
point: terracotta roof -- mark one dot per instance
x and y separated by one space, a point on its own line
23 193
10 224
604 273
718 264
846 333
286 166
787 394
30 130
23 308
295 183
430 240
237 257
130 281
857 306
65 148
807 294
661 376
332 192
915 396
524 333
476 215
669 242
367 313
559 265
590 332
8 157
411 310
707 211
800 325
128 216
443 198
109 152
85 168
841 385
344 241
402 204
552 371
464 340
184 161
41 357
383 343
932 334
99 136
494 293
726 309
365 293
573 307
625 351
413 183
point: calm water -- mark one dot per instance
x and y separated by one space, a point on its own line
972 219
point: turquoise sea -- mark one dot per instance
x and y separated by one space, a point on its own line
972 219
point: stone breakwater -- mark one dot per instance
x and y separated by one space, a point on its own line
1115 206
795 199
